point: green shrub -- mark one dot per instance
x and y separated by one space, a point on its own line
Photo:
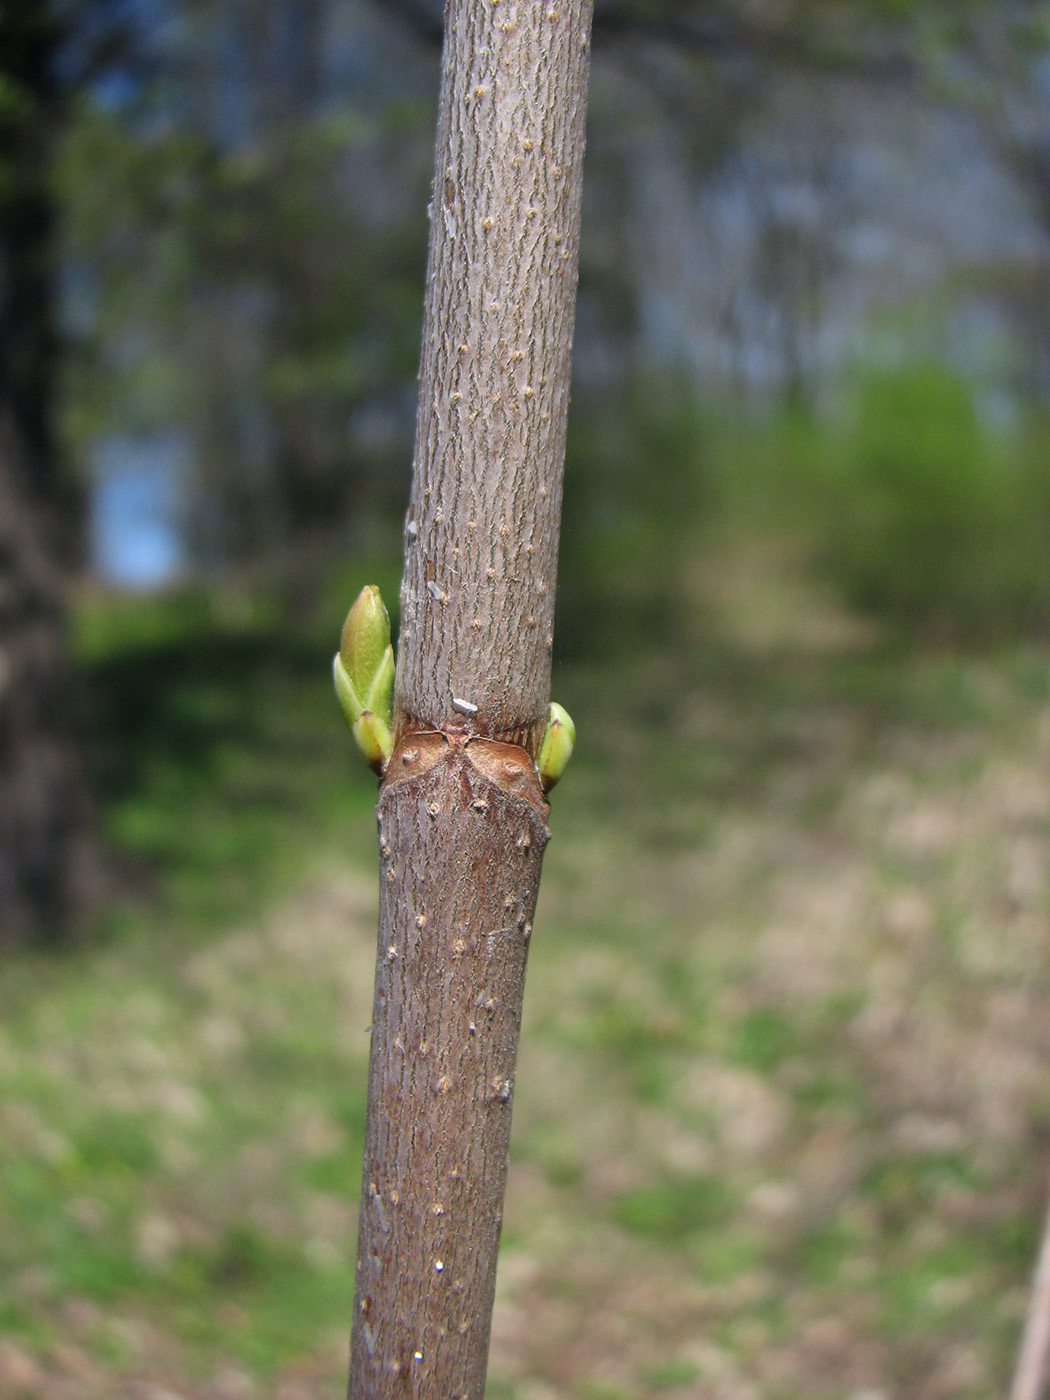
926 519
907 502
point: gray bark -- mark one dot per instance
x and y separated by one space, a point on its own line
477 599
461 812
48 861
49 865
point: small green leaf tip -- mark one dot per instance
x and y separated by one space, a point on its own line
363 672
380 697
556 746
345 693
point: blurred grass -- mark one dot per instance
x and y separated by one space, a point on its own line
216 745
783 1113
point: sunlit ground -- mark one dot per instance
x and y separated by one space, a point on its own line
783 1107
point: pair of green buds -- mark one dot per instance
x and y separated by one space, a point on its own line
363 671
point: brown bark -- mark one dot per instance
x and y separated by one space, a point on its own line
461 813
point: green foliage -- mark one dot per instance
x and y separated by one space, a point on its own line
677 1207
928 520
766 1036
636 479
246 297
216 736
906 501
670 1375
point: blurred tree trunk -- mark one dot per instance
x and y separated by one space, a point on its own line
44 811
461 812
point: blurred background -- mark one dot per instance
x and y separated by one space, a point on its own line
782 1122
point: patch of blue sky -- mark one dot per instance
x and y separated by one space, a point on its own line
135 538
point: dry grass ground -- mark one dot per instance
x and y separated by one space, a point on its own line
782 1119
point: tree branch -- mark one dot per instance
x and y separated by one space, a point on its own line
1031 1365
462 816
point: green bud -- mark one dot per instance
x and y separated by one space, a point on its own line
365 639
363 671
556 746
372 736
345 693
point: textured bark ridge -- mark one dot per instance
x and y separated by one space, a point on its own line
461 838
477 599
